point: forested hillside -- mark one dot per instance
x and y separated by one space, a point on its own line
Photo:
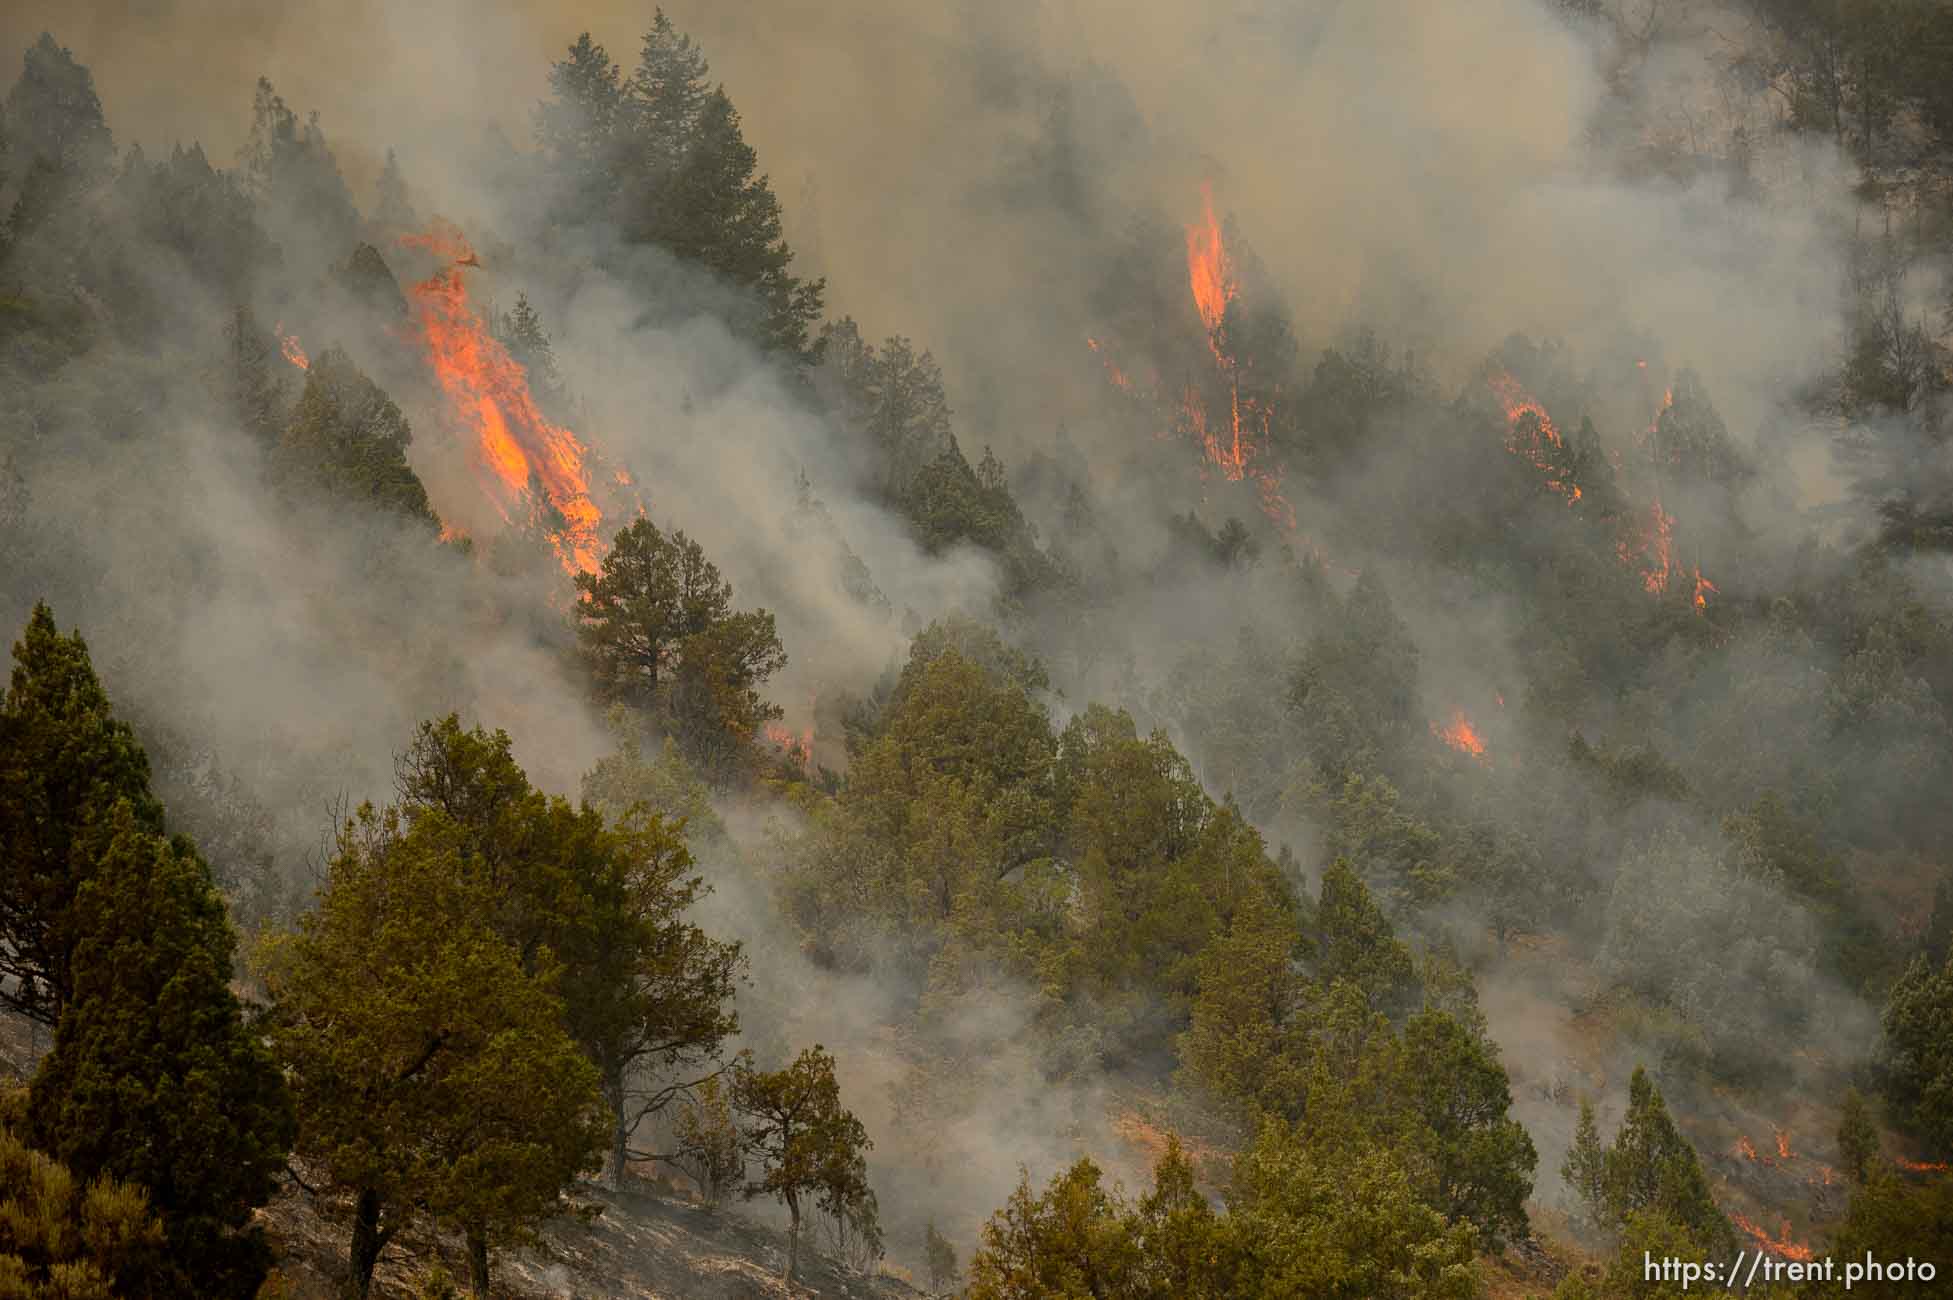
1296 651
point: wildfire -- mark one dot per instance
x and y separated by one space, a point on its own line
798 748
1530 441
1208 269
488 395
1783 1146
1923 1166
1461 735
1744 1148
288 344
1782 1245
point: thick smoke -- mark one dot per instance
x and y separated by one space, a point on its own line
967 175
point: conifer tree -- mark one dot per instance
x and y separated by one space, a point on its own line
347 439
1651 1166
66 763
154 1078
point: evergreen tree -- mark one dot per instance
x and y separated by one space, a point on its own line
662 157
941 1257
659 633
432 1070
1917 1053
393 209
1857 1137
53 112
809 1148
293 174
154 1078
348 440
1585 1166
254 386
62 1238
66 764
1651 1166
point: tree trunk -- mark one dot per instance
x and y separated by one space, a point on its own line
368 1242
614 1094
478 1263
793 1237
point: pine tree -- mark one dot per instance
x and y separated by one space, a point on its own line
66 763
347 439
154 1078
393 209
254 378
54 117
1651 1166
1857 1136
1584 1168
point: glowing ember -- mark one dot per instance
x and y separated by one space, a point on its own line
1783 1246
1923 1167
1744 1148
488 395
1703 589
288 344
1460 735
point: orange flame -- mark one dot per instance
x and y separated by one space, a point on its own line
1208 268
1460 735
1744 1148
1531 443
288 344
1783 1146
488 395
798 748
1923 1166
1782 1246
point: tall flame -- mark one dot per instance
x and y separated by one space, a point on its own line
1208 269
488 395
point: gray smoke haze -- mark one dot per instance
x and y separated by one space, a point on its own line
963 174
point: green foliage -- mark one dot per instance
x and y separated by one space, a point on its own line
253 378
347 440
1858 1144
664 786
1299 1223
658 633
1356 945
1585 1167
1917 1054
661 158
811 1151
431 1069
66 764
115 935
65 1239
1896 1219
1650 1167
645 992
154 1078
